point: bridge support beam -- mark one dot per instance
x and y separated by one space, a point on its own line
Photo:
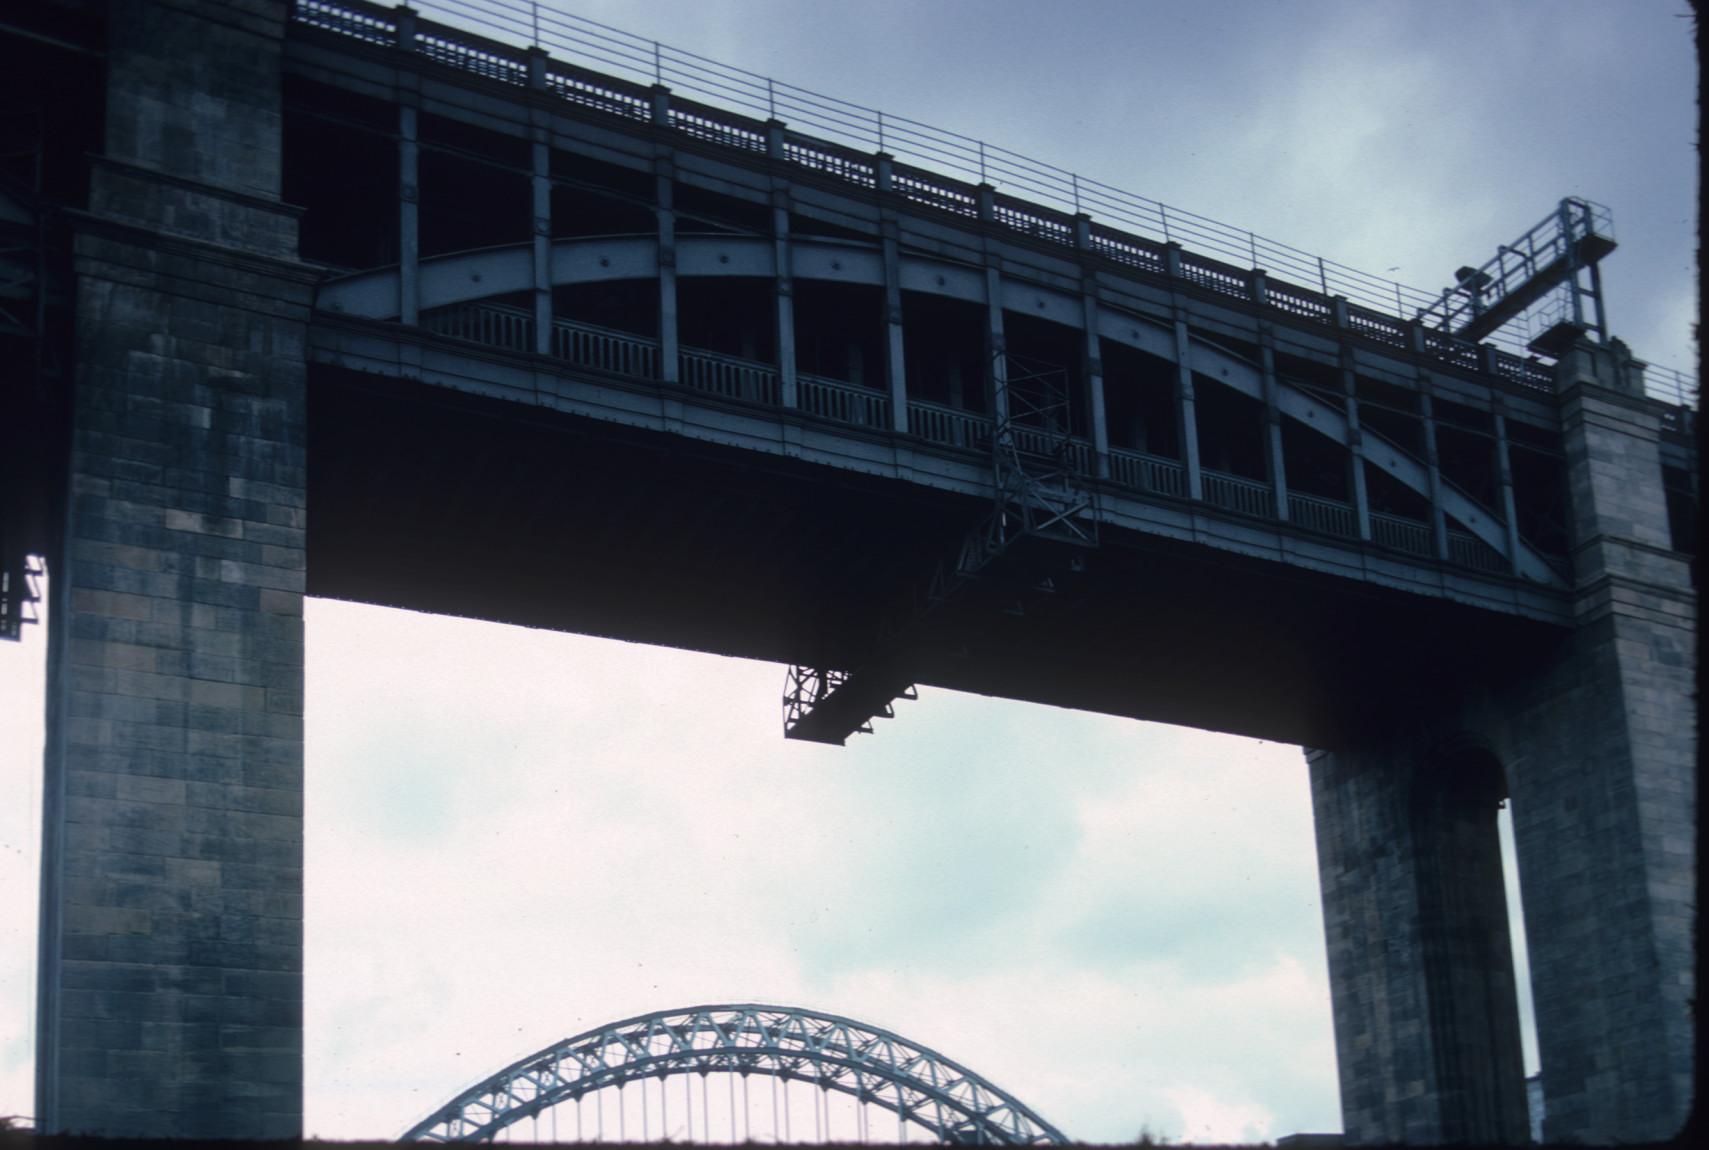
170 974
1595 736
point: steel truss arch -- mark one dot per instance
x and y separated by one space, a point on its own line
870 1064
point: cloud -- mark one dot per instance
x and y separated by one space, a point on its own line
630 833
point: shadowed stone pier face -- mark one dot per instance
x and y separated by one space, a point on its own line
1597 739
1425 1008
171 974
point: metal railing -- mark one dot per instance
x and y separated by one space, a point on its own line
637 357
1670 385
930 166
1328 516
948 426
492 325
1467 550
602 349
1236 493
1150 473
728 376
1401 534
1547 243
1076 453
844 402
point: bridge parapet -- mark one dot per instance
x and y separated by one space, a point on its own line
1352 302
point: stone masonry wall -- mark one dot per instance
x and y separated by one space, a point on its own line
1597 739
171 974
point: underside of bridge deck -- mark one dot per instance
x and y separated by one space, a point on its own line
458 506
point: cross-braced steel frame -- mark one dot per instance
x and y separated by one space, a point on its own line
874 1066
1040 492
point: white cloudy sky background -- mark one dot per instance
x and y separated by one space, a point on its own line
515 835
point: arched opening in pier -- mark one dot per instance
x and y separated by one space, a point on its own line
1466 935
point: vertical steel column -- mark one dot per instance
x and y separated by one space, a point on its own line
1274 459
1355 448
409 210
1438 521
542 187
1098 421
784 274
1186 418
1504 478
997 343
663 172
896 355
1187 421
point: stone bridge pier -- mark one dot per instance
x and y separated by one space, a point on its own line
1594 747
170 996
171 940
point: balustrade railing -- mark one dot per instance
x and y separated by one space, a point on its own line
1401 534
1235 493
1150 473
602 349
637 357
725 375
1467 550
844 402
493 325
948 426
1329 516
1075 454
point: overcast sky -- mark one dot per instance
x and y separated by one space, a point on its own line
516 835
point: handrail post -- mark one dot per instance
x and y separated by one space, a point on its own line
404 20
884 171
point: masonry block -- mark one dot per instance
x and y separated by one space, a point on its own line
188 434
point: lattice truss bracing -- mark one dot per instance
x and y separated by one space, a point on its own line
873 1066
1040 493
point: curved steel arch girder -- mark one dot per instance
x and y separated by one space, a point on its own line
468 276
825 1050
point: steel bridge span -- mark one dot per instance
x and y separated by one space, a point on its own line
927 1094
328 298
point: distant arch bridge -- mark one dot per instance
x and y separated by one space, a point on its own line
930 1095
